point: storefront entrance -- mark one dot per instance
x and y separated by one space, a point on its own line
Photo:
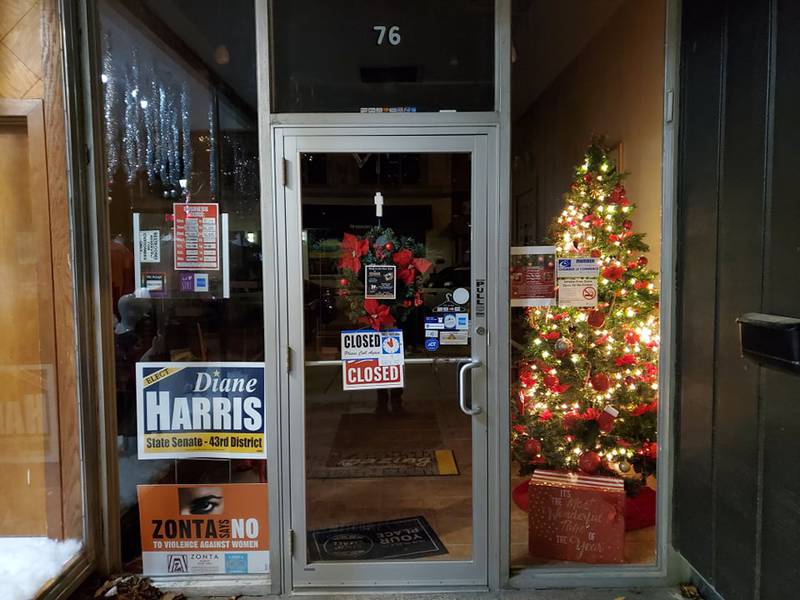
386 239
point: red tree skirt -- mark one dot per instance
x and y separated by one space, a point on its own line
640 511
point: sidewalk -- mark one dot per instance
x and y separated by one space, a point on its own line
578 594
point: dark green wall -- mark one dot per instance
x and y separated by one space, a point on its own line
737 497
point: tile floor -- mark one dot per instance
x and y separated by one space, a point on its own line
445 501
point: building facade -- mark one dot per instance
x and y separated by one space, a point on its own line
325 297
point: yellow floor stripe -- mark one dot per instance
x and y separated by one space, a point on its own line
446 462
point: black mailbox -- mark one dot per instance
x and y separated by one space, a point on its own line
771 340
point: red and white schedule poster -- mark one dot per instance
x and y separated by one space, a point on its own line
196 236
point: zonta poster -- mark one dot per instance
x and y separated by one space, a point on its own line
200 410
202 529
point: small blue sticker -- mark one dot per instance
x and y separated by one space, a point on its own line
201 282
431 344
236 563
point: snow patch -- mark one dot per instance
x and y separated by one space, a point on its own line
27 563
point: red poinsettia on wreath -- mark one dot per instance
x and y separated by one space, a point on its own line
353 249
380 246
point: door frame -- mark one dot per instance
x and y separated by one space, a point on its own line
481 142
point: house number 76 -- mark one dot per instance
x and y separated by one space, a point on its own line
392 30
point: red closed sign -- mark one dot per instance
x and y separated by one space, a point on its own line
369 374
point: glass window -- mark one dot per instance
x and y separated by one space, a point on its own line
382 56
182 174
407 440
586 179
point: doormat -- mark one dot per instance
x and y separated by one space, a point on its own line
360 432
412 463
372 445
408 538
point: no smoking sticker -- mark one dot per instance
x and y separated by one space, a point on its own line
577 292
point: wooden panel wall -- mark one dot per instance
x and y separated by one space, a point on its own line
31 68
738 449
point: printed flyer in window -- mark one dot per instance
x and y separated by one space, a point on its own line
200 410
204 529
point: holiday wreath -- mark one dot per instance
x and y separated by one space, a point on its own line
381 246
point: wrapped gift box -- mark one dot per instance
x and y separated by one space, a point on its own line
576 517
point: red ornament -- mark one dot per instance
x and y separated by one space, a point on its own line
343 282
589 461
596 318
597 222
650 450
627 224
389 246
600 382
587 178
533 447
642 261
595 253
618 195
630 381
571 419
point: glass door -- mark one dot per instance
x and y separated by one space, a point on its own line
385 263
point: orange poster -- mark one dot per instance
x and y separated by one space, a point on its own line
204 529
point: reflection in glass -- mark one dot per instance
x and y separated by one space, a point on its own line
391 463
584 372
40 515
180 127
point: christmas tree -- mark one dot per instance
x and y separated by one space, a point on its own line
587 386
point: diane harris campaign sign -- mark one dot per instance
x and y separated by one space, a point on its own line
200 410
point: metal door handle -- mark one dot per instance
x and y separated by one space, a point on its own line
462 376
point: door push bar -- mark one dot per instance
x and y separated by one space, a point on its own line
462 377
